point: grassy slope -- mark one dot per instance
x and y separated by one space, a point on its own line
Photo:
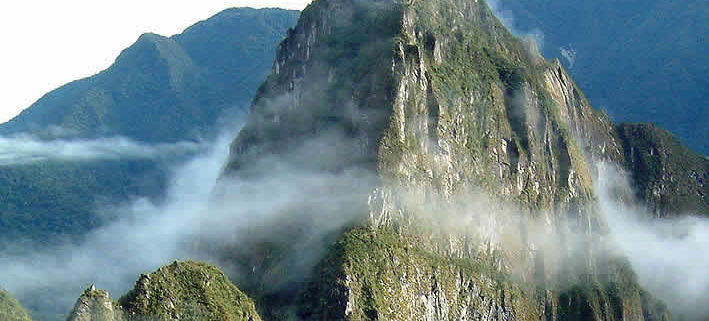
10 309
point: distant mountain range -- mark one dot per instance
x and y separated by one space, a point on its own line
640 61
166 89
159 91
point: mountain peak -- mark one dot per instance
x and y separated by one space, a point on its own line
444 106
97 305
186 290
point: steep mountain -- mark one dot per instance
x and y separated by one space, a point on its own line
10 309
461 164
160 90
187 290
641 60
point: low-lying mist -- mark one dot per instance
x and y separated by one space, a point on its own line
284 204
668 254
282 215
24 149
146 236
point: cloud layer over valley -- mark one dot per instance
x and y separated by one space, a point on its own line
24 149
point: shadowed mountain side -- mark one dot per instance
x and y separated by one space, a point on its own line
667 176
642 61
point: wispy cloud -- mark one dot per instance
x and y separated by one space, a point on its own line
534 38
150 234
146 235
23 149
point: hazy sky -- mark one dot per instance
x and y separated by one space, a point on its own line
46 44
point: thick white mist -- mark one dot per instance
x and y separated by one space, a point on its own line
669 255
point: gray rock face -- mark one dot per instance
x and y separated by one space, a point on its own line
95 305
483 205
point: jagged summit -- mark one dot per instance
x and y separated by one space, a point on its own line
95 305
400 79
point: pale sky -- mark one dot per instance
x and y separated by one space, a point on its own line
46 44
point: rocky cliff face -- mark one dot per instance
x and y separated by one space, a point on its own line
95 305
179 291
483 204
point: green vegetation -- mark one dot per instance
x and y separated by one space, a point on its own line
158 90
44 200
10 309
642 64
386 274
667 175
190 290
371 274
187 290
167 89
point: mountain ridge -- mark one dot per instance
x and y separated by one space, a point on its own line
86 107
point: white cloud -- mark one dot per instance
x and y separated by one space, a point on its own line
667 254
26 149
150 234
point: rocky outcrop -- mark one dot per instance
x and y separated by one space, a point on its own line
180 291
95 305
483 205
371 275
187 291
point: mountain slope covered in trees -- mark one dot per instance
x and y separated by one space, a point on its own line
159 91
